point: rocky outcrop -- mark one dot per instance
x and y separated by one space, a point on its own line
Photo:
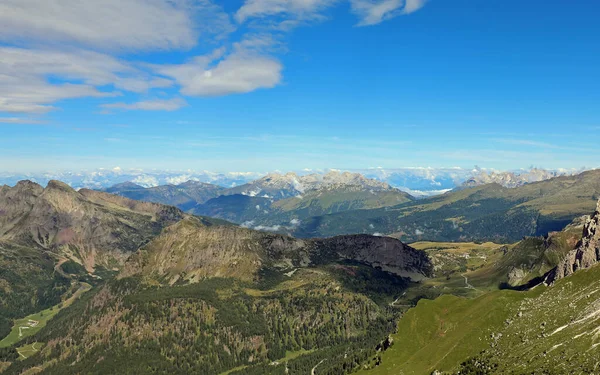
389 254
585 255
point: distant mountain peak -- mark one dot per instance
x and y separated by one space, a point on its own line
513 179
59 185
281 186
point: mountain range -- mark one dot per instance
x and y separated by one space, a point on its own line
419 182
179 293
275 201
60 239
487 212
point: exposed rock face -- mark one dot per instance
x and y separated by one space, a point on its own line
88 226
515 275
191 251
389 254
585 255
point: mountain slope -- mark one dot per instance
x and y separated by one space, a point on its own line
483 213
503 332
189 251
41 228
282 202
183 196
275 201
91 227
208 299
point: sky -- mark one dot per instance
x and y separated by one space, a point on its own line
260 85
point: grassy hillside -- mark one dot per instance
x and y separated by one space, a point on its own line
502 332
484 213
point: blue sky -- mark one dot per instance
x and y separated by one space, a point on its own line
261 85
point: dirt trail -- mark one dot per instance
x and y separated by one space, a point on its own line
467 285
312 372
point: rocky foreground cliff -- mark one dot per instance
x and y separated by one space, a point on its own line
585 255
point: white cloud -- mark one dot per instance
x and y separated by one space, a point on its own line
111 24
241 71
247 224
64 49
273 228
176 180
24 73
302 9
372 12
149 105
145 181
19 120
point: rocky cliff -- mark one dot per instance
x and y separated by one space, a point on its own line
585 255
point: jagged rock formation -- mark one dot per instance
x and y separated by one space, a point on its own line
191 251
585 255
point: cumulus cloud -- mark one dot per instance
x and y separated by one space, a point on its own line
64 49
111 24
25 85
273 228
247 224
176 180
149 105
145 181
372 12
241 71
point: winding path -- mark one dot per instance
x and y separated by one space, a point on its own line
467 285
312 372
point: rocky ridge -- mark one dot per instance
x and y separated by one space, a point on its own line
585 255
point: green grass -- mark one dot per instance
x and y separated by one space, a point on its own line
546 330
19 332
440 334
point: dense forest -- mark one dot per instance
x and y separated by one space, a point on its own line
271 327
